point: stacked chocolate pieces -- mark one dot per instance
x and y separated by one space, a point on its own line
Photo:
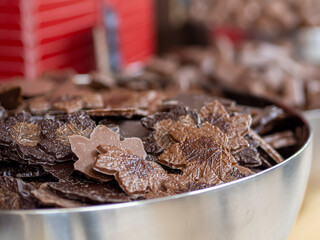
263 18
62 148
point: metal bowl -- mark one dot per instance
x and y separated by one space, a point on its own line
261 206
313 117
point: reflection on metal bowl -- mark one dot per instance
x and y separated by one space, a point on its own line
262 206
313 116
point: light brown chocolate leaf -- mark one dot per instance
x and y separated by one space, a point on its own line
235 127
134 174
85 149
201 153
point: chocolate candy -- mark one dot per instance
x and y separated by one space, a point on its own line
85 149
60 171
235 127
199 152
10 96
16 194
48 198
79 146
55 134
90 191
134 174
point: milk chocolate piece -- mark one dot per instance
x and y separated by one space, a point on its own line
143 103
90 191
68 103
92 100
39 105
134 174
48 198
161 134
113 112
235 127
16 194
199 152
183 183
85 149
10 96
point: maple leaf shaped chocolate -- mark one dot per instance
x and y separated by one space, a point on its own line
134 174
55 134
235 127
23 133
162 129
174 114
201 153
85 149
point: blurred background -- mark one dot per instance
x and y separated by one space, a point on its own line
41 35
265 47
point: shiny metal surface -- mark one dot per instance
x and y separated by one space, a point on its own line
262 206
313 116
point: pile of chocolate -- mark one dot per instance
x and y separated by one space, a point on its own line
82 140
256 67
263 18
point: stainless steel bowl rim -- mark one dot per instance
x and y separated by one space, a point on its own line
150 201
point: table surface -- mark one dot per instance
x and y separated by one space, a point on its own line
307 224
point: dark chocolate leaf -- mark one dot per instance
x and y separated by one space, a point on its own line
20 170
90 191
271 152
60 171
249 157
10 96
16 194
55 134
173 114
